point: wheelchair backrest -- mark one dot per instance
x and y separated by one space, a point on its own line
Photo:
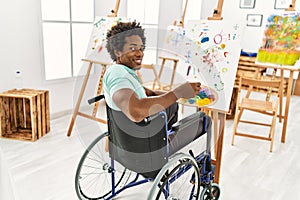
140 147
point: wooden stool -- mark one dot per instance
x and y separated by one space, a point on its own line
175 61
24 114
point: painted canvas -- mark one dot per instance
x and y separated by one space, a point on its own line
96 48
281 41
211 51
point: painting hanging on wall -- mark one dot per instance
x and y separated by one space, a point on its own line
254 20
282 4
247 3
281 42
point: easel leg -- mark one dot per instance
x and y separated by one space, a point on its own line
281 95
161 68
287 105
216 131
173 74
79 99
99 90
219 145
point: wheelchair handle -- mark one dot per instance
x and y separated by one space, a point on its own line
151 117
95 99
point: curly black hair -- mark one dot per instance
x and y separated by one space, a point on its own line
116 36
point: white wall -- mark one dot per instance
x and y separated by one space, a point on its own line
21 41
231 11
21 48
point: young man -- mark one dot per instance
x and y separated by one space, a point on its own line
124 92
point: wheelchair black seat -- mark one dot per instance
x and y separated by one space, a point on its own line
140 147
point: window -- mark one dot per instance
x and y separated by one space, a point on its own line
147 13
193 10
144 11
67 25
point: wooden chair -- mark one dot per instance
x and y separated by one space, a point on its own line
250 102
153 85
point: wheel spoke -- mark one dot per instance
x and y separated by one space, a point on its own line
93 175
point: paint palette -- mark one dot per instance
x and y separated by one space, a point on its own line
206 97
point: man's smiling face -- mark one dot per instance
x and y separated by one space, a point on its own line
133 52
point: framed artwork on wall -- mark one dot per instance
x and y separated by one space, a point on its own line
247 3
254 20
282 4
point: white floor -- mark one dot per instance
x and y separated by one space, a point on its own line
45 169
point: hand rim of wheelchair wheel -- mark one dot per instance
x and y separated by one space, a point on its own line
178 157
210 192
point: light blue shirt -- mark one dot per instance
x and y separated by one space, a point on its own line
118 77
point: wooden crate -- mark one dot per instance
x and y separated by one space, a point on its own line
24 114
247 67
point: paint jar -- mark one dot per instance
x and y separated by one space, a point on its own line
19 80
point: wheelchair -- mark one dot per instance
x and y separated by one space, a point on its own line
117 160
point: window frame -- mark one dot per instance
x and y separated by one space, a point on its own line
69 22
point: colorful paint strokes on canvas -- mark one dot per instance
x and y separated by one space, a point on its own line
281 40
96 47
211 49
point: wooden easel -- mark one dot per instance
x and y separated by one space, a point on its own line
99 90
174 60
217 14
96 105
219 119
114 12
181 22
218 116
292 6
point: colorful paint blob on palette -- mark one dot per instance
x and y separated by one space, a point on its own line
204 98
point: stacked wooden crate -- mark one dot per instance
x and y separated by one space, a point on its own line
247 67
24 114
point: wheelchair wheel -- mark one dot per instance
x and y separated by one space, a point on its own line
178 179
210 192
94 173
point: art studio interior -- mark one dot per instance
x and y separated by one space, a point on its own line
197 99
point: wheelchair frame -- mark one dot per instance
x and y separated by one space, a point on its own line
200 177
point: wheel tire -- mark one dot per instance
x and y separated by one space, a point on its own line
211 192
168 185
94 171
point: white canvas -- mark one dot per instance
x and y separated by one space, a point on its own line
96 48
210 50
